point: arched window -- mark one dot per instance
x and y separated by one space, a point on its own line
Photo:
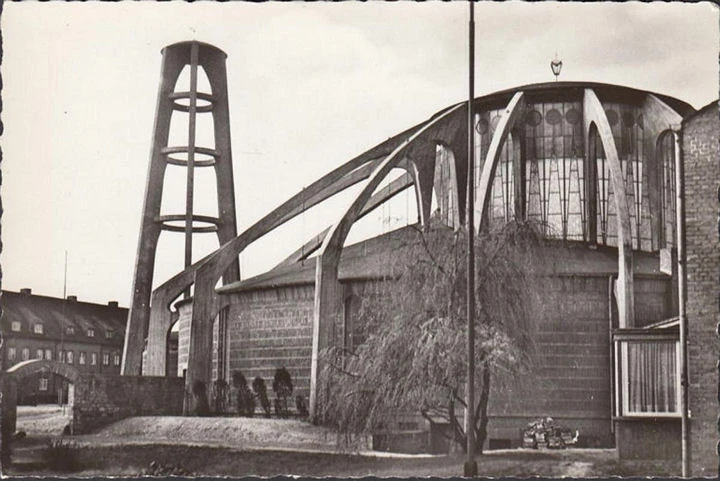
666 172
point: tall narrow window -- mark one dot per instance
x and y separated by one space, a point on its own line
666 158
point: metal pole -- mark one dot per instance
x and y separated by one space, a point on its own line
470 467
682 301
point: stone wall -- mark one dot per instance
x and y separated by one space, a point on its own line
103 399
702 178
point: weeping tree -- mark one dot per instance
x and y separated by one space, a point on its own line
414 354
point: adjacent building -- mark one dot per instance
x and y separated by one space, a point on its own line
86 335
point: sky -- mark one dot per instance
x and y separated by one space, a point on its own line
311 85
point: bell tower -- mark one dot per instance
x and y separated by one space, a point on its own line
176 100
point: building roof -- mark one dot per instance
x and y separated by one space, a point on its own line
56 314
612 92
373 259
715 104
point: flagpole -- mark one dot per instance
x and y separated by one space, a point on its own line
61 355
470 467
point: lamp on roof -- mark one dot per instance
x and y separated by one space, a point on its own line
556 66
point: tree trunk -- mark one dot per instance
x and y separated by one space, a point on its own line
482 418
458 436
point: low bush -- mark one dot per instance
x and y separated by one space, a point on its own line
245 397
261 393
157 469
202 406
283 388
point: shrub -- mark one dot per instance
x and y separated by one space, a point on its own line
157 469
283 388
62 455
202 407
245 397
220 389
260 390
301 406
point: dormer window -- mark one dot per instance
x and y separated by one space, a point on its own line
38 328
91 333
108 334
70 330
15 326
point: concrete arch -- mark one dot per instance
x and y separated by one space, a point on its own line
513 111
26 368
21 370
594 117
207 272
327 288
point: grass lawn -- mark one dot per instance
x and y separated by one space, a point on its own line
135 459
269 447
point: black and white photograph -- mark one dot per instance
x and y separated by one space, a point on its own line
350 239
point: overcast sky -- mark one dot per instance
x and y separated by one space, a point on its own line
310 86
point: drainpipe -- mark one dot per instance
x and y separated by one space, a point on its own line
682 299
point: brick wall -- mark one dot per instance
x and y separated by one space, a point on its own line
272 328
702 177
571 381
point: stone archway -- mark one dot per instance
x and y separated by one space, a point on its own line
21 371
